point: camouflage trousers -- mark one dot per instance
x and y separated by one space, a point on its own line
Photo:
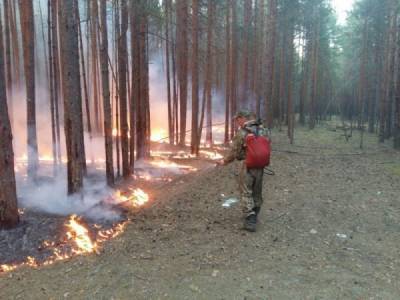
250 185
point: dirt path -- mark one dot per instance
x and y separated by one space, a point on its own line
329 229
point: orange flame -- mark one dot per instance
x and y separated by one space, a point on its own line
79 234
137 198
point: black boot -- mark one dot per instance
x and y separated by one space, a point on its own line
257 210
250 222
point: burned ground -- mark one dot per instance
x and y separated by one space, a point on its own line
329 229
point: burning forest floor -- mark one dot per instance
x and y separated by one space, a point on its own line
329 229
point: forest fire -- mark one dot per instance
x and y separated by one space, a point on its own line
158 135
79 238
79 234
136 198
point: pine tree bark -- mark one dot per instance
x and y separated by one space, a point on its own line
56 73
244 80
15 41
94 24
136 102
305 62
391 71
290 109
51 88
385 81
122 69
233 63
106 95
175 88
135 78
167 8
227 71
117 106
195 78
28 42
84 77
209 64
8 59
396 130
8 195
71 87
270 59
314 80
141 83
182 59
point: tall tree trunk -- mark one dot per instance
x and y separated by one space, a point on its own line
233 63
84 79
314 82
270 59
396 130
167 8
117 106
8 195
51 88
122 69
135 93
305 62
209 64
258 62
106 95
14 41
195 78
385 81
73 124
290 110
182 55
282 76
145 91
244 80
94 24
227 72
362 82
175 90
8 60
140 60
391 71
28 41
56 73
137 101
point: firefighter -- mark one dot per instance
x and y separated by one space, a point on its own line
250 178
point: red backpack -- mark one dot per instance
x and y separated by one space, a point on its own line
258 151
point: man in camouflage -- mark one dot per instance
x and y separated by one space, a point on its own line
250 179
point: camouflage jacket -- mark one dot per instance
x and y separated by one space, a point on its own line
237 149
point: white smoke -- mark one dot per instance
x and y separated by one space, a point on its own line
50 196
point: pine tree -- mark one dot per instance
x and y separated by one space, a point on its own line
8 196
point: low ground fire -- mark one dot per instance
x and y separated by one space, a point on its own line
55 237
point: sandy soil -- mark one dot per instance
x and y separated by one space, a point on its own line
329 229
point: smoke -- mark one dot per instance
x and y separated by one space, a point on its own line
49 195
159 104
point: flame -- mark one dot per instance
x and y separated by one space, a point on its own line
115 132
140 197
158 134
137 197
214 155
171 165
79 234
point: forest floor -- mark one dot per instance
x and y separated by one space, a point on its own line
329 229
